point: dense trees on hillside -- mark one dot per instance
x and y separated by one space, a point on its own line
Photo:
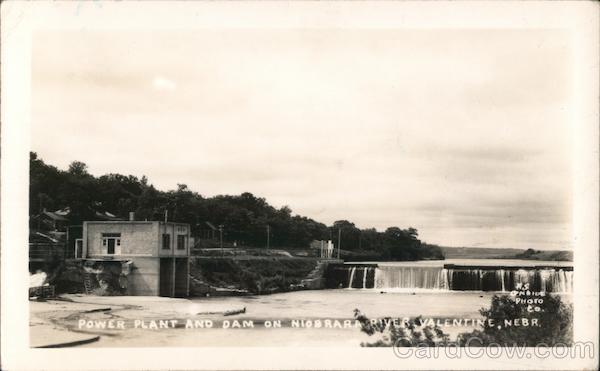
245 217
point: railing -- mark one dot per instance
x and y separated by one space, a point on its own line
46 251
42 291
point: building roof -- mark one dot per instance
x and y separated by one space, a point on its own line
105 215
54 216
41 237
63 212
62 215
121 221
211 226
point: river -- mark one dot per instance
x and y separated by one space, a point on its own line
304 315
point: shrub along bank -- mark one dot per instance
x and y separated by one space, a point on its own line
258 275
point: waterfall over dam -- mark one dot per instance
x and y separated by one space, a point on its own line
450 277
434 278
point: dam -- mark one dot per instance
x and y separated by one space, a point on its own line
448 275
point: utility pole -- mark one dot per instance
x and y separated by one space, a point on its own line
339 241
359 239
268 236
221 239
39 221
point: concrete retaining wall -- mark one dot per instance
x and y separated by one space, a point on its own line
144 277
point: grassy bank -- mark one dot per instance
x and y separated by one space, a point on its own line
257 275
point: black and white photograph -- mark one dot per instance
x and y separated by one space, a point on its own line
327 176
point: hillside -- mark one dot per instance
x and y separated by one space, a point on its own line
243 220
505 253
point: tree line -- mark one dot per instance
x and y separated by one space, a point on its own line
244 217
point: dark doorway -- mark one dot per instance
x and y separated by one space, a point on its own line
111 246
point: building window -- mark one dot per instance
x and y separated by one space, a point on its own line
166 241
78 248
110 240
181 242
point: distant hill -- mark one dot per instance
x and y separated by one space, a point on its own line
502 253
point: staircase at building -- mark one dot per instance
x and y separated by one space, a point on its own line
315 279
87 283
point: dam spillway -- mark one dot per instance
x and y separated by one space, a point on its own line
450 277
429 278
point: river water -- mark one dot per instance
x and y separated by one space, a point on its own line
310 311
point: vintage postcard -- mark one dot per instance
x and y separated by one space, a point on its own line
304 185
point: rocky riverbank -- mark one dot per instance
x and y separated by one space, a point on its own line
256 275
211 276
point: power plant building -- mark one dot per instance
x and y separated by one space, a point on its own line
152 257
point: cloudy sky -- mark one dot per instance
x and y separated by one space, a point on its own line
462 134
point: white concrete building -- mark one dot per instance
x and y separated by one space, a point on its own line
154 255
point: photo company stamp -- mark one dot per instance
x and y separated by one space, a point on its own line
304 185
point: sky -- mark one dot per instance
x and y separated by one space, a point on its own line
462 134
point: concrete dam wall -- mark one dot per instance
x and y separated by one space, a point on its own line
449 277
